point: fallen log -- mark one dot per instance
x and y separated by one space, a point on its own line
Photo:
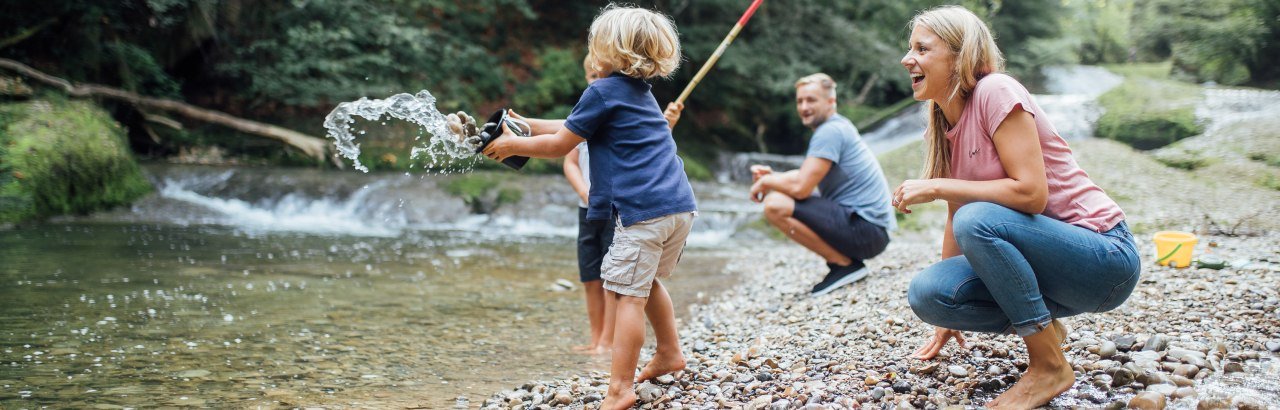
311 146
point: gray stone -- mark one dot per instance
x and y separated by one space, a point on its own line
1120 376
1107 349
648 392
902 387
1184 355
760 403
1156 343
1125 343
878 393
780 405
1274 346
958 371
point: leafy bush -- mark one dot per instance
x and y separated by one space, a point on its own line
59 157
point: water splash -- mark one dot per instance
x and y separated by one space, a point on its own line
419 109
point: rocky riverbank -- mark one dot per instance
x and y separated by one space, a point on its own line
1186 338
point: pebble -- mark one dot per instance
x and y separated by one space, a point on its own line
766 345
1248 403
1147 401
1107 349
1274 346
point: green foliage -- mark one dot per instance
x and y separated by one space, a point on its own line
483 192
1149 113
554 91
61 157
1219 41
1184 162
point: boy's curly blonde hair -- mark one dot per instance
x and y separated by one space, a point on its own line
635 42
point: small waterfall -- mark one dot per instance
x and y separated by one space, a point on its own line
418 109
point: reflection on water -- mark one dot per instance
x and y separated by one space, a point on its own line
151 315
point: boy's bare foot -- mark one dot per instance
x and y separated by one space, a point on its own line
1036 388
660 365
620 400
592 350
1061 329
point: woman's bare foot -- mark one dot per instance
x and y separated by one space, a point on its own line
619 400
1037 387
660 365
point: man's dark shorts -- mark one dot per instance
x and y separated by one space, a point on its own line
594 238
842 228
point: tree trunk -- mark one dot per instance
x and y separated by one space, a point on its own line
311 146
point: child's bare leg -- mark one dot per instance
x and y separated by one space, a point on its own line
594 291
667 358
628 336
610 317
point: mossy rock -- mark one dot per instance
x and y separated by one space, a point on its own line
1148 113
62 157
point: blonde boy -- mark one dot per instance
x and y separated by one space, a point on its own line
594 237
636 179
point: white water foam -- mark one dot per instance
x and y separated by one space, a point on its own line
418 109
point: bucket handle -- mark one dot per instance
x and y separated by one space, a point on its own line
1169 255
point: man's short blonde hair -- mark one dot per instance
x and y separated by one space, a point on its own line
635 42
822 80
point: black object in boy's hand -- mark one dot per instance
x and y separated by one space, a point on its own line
493 129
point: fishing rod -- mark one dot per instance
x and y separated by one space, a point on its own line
719 50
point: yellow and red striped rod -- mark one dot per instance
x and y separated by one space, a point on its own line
719 50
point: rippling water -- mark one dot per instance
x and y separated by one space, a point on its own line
144 315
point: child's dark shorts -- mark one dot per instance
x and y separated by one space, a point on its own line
594 238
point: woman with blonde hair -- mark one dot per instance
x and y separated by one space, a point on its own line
1029 237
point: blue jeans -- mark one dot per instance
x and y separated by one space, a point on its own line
1018 271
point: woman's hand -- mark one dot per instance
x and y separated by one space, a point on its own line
503 146
758 190
914 191
940 338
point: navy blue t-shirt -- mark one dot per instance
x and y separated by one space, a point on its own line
634 168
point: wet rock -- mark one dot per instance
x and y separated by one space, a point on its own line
648 392
1125 343
1147 401
1233 367
1156 343
1248 403
1214 401
760 403
1164 389
1274 346
1184 392
1186 370
1120 376
1107 349
193 374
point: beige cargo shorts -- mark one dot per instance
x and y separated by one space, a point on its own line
643 252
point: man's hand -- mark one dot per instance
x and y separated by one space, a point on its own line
502 147
940 338
758 190
914 191
758 171
672 113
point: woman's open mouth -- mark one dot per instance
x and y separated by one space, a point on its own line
916 79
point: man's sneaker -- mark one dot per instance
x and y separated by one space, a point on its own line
840 276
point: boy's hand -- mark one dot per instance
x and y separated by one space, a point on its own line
672 114
502 147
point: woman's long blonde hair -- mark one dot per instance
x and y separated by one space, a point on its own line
976 56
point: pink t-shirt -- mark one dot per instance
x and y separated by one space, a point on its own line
1073 197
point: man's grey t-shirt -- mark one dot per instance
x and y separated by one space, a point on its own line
855 180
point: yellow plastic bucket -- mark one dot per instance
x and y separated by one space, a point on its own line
1173 248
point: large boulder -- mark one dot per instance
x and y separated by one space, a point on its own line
61 157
